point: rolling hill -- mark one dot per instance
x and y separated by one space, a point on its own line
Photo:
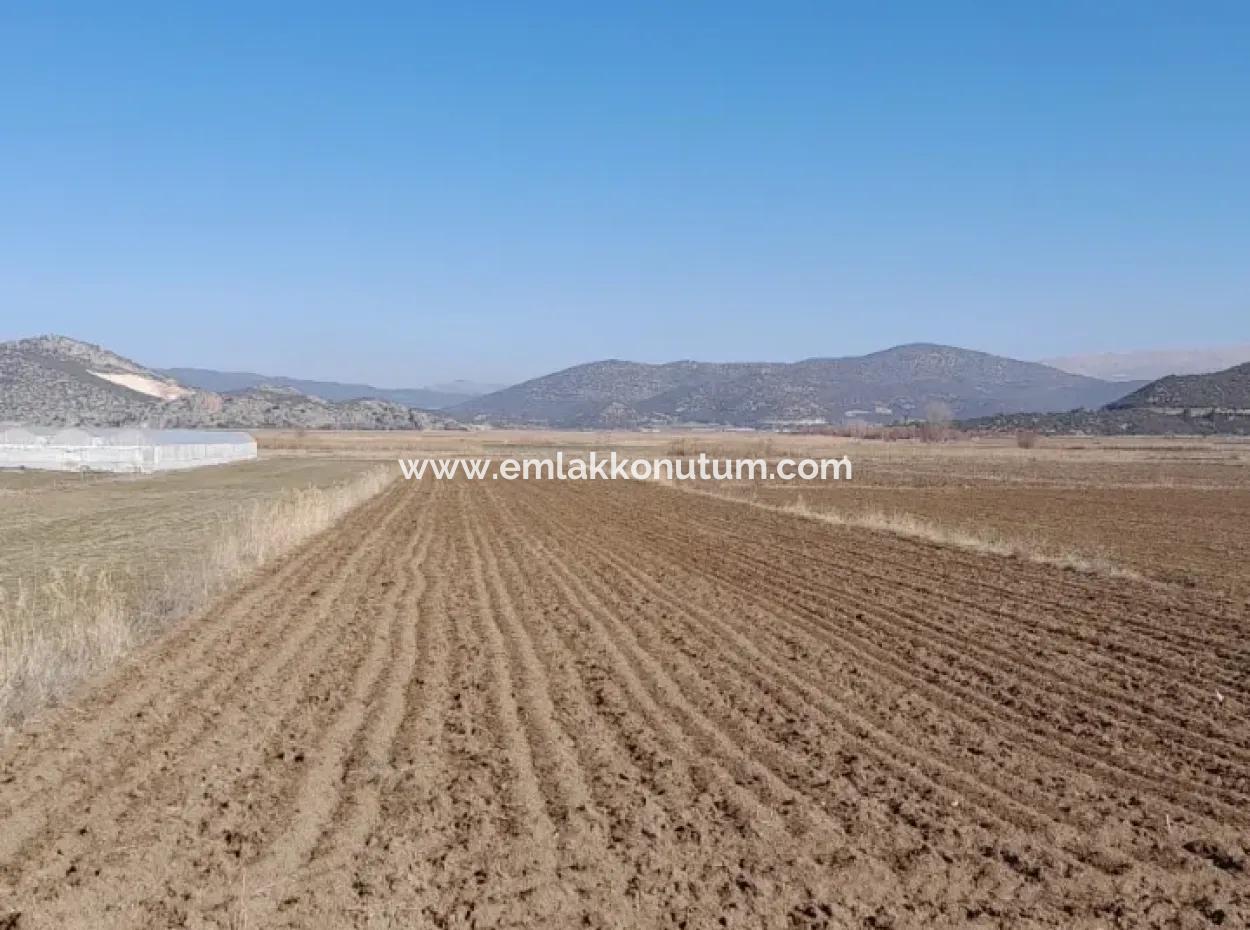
58 381
431 398
1150 365
55 380
275 407
1183 405
902 383
1225 391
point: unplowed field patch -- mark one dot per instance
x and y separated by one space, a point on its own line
550 705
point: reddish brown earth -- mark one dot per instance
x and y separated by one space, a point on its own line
1184 536
627 706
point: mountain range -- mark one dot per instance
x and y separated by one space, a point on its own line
1225 391
906 382
1152 364
1213 404
434 397
55 380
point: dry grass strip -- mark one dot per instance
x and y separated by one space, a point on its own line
67 626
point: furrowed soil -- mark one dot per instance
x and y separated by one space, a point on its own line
623 705
1185 536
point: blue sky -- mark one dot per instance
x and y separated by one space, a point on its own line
410 193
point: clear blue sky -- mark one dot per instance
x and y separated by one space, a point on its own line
414 192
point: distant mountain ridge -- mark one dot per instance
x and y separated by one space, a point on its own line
55 380
278 407
902 383
58 381
1222 391
1185 405
1150 365
431 398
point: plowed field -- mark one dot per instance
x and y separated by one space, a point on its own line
551 705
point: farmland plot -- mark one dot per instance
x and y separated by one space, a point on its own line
626 705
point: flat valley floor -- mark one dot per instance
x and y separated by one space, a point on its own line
620 705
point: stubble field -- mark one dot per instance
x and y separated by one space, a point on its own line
628 705
92 564
137 524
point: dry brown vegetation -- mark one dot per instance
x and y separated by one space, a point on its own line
984 542
629 705
108 568
1173 511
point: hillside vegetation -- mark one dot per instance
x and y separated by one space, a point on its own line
433 398
57 381
1182 405
54 380
902 383
1225 391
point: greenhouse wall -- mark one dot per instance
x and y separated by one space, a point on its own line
120 450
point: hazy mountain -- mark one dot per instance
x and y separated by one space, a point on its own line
54 380
467 388
1190 405
1225 391
432 398
1151 364
279 407
605 393
897 384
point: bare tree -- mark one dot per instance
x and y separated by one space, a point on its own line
937 421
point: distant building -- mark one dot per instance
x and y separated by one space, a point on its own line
120 450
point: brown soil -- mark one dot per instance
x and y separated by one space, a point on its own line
1185 536
553 705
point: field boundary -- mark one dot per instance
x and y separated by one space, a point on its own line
69 627
911 526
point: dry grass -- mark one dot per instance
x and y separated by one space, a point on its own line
141 527
67 626
986 542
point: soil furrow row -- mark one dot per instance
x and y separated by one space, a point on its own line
872 619
943 594
159 736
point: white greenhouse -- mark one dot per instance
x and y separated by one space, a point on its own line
120 450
